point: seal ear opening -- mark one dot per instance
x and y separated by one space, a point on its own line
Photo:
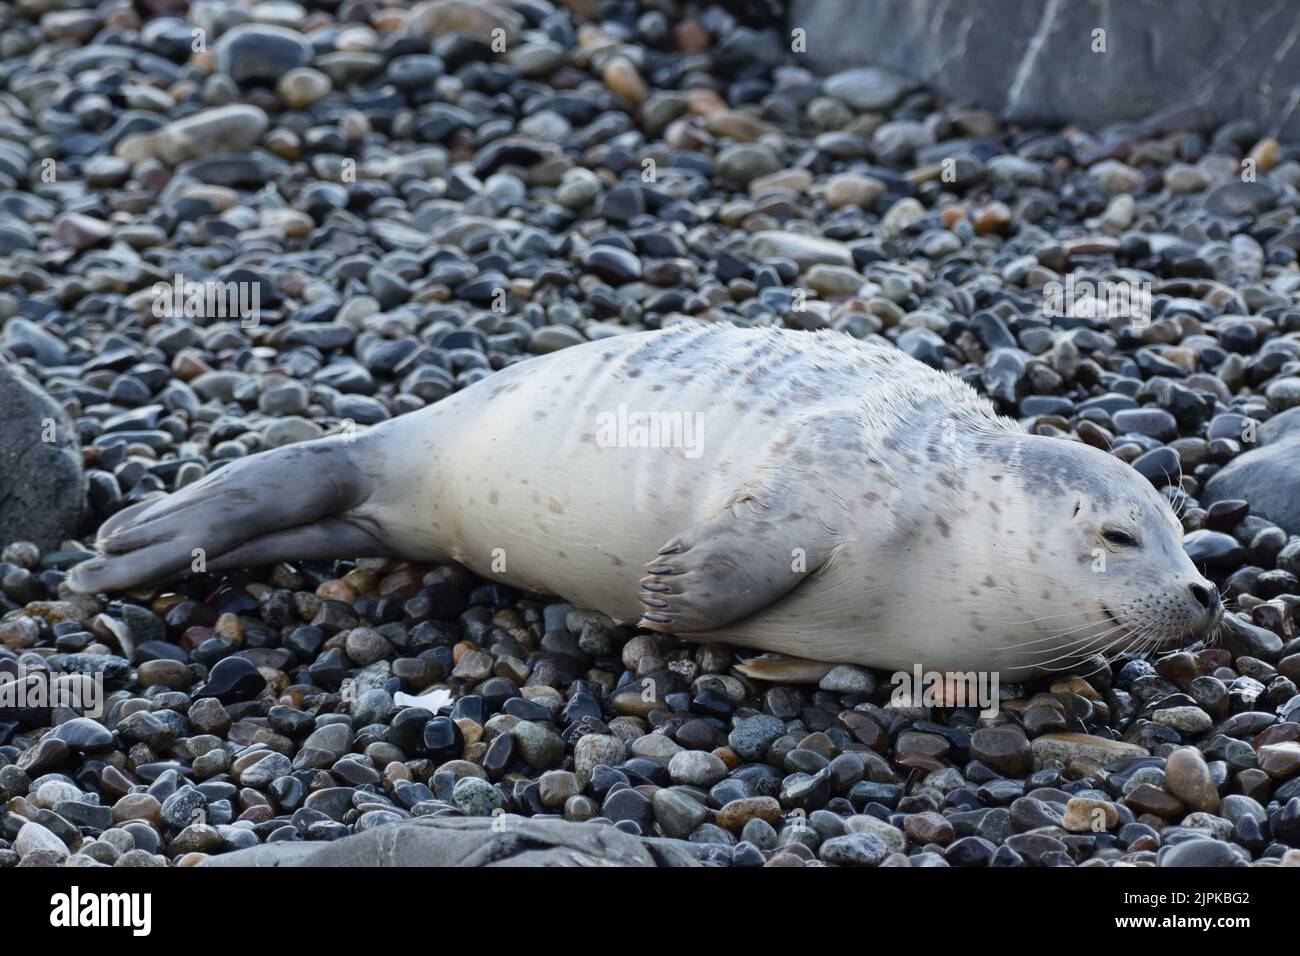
272 506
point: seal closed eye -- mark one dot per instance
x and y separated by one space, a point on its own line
804 493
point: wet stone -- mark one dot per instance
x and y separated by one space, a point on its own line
855 849
1005 749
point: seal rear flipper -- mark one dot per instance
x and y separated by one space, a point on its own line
336 537
267 507
724 569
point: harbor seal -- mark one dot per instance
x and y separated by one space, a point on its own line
804 493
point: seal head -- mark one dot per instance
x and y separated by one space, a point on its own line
1102 566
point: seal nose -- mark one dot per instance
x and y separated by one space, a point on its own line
1207 597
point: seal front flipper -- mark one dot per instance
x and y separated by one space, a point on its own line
739 561
293 502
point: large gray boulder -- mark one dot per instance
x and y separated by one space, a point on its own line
42 483
1268 477
472 841
1032 61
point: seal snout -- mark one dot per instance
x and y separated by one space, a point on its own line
1206 596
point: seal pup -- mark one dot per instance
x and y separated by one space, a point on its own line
809 494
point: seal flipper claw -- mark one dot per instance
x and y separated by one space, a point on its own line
731 565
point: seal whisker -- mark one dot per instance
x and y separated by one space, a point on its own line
1082 641
1076 655
1145 645
1074 647
1056 636
1149 638
1047 617
1215 636
1029 624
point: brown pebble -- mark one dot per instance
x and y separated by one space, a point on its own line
1189 778
1149 799
621 77
1281 761
928 827
734 815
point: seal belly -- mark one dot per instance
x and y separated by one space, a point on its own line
550 485
542 481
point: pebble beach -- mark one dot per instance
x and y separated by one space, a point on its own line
413 197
